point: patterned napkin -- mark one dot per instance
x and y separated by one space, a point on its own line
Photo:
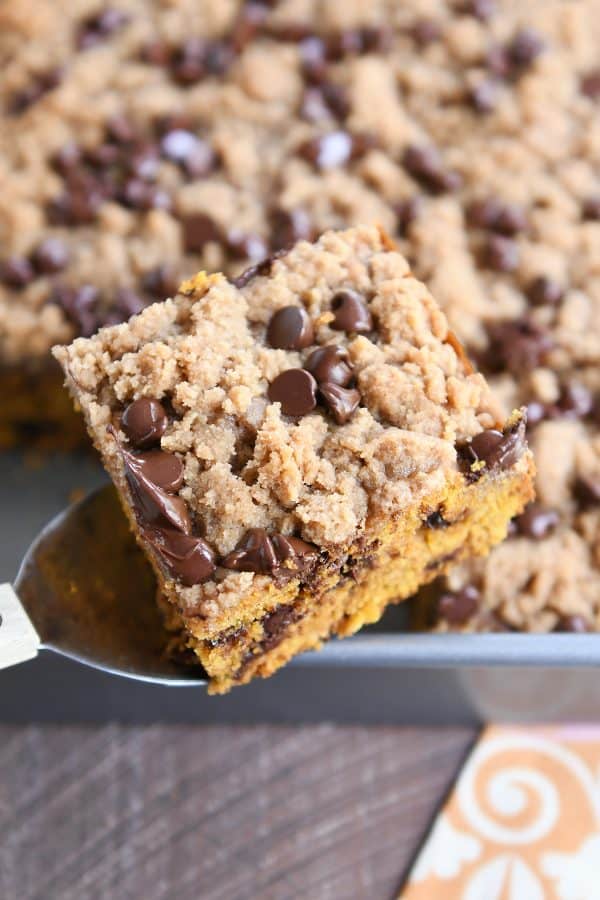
522 821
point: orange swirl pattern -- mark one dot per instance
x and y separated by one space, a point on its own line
522 822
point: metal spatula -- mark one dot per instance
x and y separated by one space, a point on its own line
86 591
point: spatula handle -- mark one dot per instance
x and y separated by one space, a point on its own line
19 640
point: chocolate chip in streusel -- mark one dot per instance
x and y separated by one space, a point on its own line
144 421
544 291
50 255
160 282
500 254
590 209
99 27
16 271
287 227
340 402
295 390
537 521
518 345
425 164
573 623
330 364
328 151
290 328
198 230
457 607
590 84
351 313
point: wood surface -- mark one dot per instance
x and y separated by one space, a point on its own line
217 813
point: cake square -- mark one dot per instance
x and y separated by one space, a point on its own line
297 448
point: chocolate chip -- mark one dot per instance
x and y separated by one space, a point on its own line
500 254
187 64
189 559
260 552
537 521
103 155
407 211
121 129
457 607
195 156
575 402
140 195
16 271
330 364
436 520
78 205
161 282
97 28
483 96
425 164
127 303
262 268
67 158
586 491
245 245
518 346
293 551
328 151
313 59
51 255
483 213
376 39
351 314
525 47
218 57
544 291
590 84
156 53
249 20
492 448
328 99
510 219
295 390
287 227
536 413
481 9
426 31
498 61
573 623
341 402
590 209
198 230
253 553
143 161
275 625
79 305
290 328
343 43
153 505
165 470
144 422
42 83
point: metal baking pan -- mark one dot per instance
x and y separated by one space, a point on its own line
383 675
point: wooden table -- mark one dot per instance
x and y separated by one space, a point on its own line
217 813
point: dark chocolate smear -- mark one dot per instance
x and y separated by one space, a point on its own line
266 554
187 558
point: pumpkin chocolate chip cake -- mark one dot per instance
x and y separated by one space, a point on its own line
297 447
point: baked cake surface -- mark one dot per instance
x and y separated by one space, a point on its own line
475 140
325 447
